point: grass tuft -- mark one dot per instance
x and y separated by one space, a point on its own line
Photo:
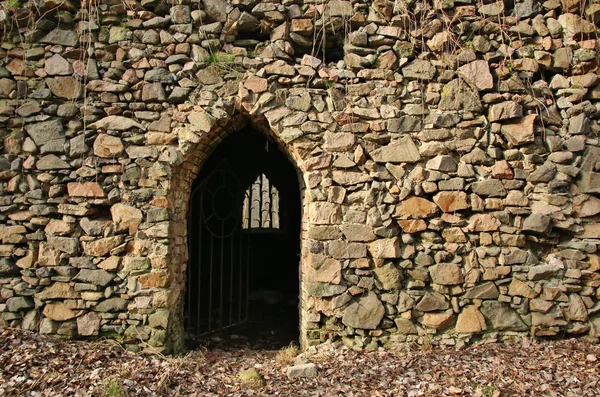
286 355
219 58
112 388
12 5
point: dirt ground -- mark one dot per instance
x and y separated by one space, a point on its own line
34 365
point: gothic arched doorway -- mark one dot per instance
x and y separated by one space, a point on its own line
244 244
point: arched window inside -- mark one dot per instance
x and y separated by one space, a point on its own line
261 205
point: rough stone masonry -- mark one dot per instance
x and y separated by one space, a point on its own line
448 151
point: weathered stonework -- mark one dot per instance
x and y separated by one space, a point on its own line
449 160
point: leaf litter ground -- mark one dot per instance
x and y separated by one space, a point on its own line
35 365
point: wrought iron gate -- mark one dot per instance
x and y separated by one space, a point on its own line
218 270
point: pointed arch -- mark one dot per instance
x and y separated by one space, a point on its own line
179 192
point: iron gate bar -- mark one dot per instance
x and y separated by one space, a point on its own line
260 202
231 285
220 231
210 282
270 206
221 281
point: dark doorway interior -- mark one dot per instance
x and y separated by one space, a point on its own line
244 244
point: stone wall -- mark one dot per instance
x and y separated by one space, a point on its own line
448 150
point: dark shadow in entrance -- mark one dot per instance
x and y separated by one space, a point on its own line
244 244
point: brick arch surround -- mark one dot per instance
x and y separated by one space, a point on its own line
179 192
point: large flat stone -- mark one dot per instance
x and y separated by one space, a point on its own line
431 302
521 131
65 87
324 269
324 213
470 321
89 324
85 189
478 74
365 312
403 150
126 218
446 274
415 208
450 202
389 276
117 123
45 132
101 246
484 291
308 370
58 290
489 188
58 311
505 110
419 69
458 95
51 162
501 317
96 277
111 305
323 290
64 37
437 320
108 146
385 248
